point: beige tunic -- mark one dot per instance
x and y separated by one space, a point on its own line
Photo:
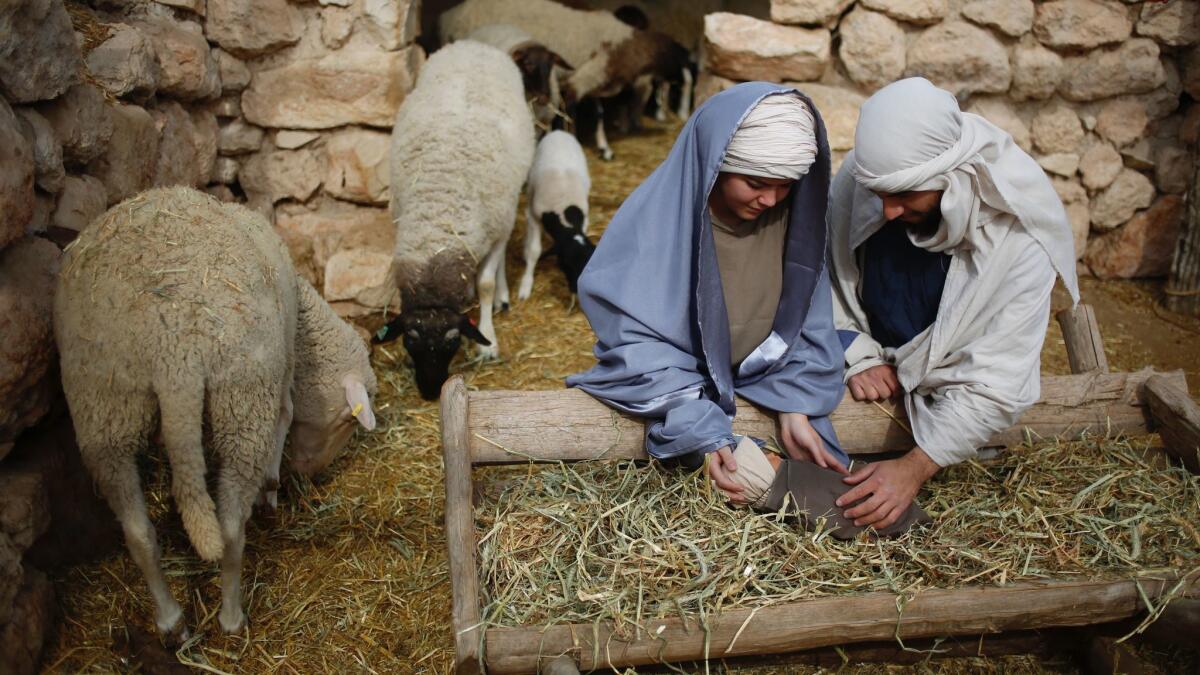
750 258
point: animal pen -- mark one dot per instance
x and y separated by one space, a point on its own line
492 428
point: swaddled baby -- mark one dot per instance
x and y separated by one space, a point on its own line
810 491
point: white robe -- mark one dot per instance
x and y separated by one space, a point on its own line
977 368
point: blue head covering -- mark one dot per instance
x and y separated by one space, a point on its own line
652 293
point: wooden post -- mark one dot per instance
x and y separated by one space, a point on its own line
1183 288
460 528
1081 333
1178 420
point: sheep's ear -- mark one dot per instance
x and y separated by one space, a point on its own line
470 331
390 331
359 402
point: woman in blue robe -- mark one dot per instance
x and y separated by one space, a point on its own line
752 158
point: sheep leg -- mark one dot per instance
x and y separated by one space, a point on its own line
685 95
268 499
486 285
112 430
500 304
533 251
643 89
662 99
244 439
606 152
118 481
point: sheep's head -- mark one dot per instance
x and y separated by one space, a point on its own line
571 245
333 385
432 337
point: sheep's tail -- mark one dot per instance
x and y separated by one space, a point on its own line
182 409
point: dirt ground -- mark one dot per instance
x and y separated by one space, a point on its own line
352 576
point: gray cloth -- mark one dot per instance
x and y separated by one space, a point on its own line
811 492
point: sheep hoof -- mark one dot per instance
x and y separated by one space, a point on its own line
173 629
503 307
489 353
233 621
606 155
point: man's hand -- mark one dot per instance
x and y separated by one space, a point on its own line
720 465
801 441
875 383
892 484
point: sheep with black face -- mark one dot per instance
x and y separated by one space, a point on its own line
557 202
461 149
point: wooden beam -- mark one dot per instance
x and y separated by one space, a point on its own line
1178 419
460 528
832 621
568 425
1081 333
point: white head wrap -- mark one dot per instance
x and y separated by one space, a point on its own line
776 139
912 136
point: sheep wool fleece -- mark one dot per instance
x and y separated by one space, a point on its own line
574 34
173 305
461 149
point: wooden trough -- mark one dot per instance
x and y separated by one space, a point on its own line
515 427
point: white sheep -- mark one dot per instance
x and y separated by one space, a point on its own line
176 312
557 201
461 150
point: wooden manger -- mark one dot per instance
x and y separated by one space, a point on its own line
515 427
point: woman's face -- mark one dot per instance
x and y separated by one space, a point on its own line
737 197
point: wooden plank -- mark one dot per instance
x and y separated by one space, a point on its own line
1183 287
831 621
568 425
460 528
1081 333
1178 419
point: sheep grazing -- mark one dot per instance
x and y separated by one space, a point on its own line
607 55
557 200
461 149
540 68
177 313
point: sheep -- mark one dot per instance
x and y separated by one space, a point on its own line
607 55
461 149
557 199
541 69
176 312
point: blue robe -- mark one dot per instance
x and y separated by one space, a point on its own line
652 293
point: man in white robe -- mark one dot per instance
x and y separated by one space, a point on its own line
966 236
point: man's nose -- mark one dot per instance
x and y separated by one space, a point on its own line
892 208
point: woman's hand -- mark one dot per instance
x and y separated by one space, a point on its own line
801 441
720 465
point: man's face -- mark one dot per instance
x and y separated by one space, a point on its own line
915 207
746 197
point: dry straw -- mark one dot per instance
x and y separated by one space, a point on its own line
622 543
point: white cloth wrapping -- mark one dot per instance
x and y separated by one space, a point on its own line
977 368
776 139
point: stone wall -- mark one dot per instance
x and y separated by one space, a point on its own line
283 105
1102 93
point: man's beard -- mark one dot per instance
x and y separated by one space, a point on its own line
927 227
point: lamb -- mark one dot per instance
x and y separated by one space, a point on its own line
607 54
461 149
540 68
557 200
176 312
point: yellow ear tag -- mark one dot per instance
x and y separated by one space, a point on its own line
357 409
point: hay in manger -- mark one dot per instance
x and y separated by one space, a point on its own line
619 564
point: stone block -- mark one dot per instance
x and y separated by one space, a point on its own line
47 151
27 279
1176 24
235 76
17 171
83 199
1081 24
744 48
1173 169
998 111
39 57
1100 165
808 12
82 121
1122 121
250 28
960 57
188 69
1036 71
1143 247
357 167
239 138
872 49
393 23
1014 18
126 64
1131 68
349 87
128 165
1118 202
1057 129
912 11
276 175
